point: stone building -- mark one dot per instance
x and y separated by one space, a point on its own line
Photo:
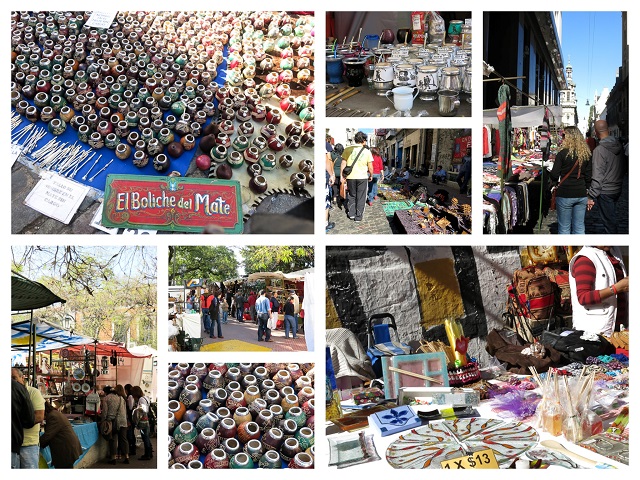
568 100
418 148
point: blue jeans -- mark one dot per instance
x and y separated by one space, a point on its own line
225 315
15 460
215 320
571 212
239 311
148 448
290 323
206 319
29 456
262 326
373 187
605 207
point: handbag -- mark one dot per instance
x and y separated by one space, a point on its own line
343 189
346 171
552 205
106 429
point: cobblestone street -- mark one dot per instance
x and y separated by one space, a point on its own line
375 220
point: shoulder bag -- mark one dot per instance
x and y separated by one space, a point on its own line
552 205
346 171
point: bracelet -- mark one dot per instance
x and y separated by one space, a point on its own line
613 289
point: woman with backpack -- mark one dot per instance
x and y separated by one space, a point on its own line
141 418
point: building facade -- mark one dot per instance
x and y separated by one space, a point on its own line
524 47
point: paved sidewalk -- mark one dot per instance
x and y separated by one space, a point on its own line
248 332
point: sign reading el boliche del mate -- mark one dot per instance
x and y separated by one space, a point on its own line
172 203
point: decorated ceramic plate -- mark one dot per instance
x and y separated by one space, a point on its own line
78 373
76 387
86 387
426 447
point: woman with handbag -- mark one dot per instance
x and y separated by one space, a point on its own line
357 171
573 167
141 420
115 412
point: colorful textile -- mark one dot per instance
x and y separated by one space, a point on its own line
504 128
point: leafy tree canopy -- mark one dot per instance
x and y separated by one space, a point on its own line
267 258
214 264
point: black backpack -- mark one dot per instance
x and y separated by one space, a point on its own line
574 348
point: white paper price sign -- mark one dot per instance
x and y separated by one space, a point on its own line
101 19
16 150
57 197
480 459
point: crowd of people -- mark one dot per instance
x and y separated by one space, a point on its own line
352 181
262 309
588 176
124 408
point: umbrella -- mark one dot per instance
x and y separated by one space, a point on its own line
504 129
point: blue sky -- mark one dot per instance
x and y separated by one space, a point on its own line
592 41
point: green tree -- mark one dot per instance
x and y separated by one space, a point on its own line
267 258
107 290
214 264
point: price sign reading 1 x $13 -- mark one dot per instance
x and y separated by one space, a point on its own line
479 459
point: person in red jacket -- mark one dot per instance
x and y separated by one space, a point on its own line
378 168
252 307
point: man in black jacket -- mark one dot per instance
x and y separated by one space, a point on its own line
22 416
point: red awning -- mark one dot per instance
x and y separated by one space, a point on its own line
107 348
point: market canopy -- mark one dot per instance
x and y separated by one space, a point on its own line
108 348
48 336
525 116
29 295
298 274
254 277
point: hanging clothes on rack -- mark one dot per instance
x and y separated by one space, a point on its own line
504 127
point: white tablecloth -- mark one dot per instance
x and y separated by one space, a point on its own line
190 323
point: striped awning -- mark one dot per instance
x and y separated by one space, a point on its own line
48 336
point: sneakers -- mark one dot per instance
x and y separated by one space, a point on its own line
369 203
329 226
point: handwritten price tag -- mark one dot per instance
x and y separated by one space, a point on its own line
480 459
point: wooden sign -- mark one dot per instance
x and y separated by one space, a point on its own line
172 203
479 459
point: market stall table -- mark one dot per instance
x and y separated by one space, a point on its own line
485 411
87 433
190 323
368 103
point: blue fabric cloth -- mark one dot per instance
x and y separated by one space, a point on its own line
87 433
571 212
381 333
118 166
